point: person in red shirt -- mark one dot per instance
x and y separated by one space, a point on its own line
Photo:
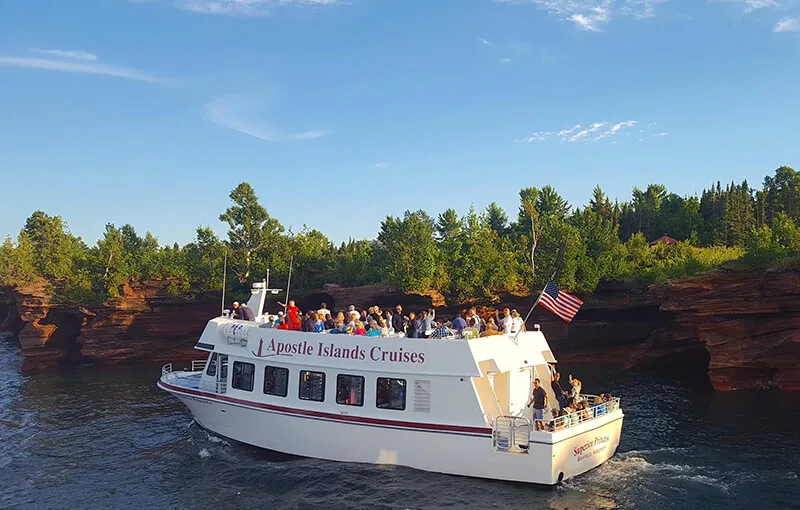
292 311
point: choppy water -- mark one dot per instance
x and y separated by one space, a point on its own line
107 438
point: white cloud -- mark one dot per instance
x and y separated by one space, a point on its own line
231 111
657 135
381 165
754 5
244 7
77 67
71 54
787 25
483 41
593 133
591 15
505 60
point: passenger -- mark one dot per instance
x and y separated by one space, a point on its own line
360 329
506 323
539 400
236 313
247 313
443 331
459 323
364 316
411 327
388 319
376 315
561 395
597 406
323 311
308 323
575 391
397 321
292 321
319 324
427 322
473 314
490 329
517 324
374 329
329 322
472 330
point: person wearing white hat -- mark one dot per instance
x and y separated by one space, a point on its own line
237 312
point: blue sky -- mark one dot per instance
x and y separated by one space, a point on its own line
342 112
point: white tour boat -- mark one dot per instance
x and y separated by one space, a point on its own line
456 406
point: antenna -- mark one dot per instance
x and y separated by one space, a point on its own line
267 282
224 277
288 284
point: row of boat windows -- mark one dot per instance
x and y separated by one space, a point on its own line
390 392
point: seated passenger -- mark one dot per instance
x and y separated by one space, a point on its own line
359 329
459 323
319 324
374 329
472 330
443 331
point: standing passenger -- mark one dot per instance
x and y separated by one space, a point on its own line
539 401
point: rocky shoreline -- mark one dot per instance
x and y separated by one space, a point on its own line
742 329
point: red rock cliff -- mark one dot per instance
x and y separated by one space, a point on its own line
142 324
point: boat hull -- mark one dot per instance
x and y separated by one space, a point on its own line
466 451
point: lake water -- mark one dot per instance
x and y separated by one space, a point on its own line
108 438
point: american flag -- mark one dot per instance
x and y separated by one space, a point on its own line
559 302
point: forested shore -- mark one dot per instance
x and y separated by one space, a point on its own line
463 255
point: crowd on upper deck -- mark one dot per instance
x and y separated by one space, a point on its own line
376 322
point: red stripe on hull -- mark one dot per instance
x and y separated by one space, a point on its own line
330 416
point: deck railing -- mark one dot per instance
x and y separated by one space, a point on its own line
198 365
511 433
591 412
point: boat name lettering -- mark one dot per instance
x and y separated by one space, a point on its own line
589 447
331 350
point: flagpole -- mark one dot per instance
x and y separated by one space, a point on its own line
534 305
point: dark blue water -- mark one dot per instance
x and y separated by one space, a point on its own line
107 438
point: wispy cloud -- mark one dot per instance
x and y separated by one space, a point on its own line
245 7
592 15
505 60
483 41
233 112
381 165
656 135
754 5
592 133
787 25
70 54
78 66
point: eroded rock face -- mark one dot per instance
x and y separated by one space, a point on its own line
742 329
748 322
143 324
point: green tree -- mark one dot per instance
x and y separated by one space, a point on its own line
251 229
17 263
497 219
407 251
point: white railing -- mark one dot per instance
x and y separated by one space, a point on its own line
511 433
591 412
218 387
198 365
166 369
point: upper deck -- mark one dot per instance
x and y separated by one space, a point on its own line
397 354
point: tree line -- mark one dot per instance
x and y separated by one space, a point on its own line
477 254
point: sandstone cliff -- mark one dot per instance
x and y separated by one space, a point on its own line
739 328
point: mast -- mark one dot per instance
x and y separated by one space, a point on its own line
288 284
224 277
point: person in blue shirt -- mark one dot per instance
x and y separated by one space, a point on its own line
459 323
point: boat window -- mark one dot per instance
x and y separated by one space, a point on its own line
391 393
350 390
212 365
243 376
312 386
276 381
223 367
